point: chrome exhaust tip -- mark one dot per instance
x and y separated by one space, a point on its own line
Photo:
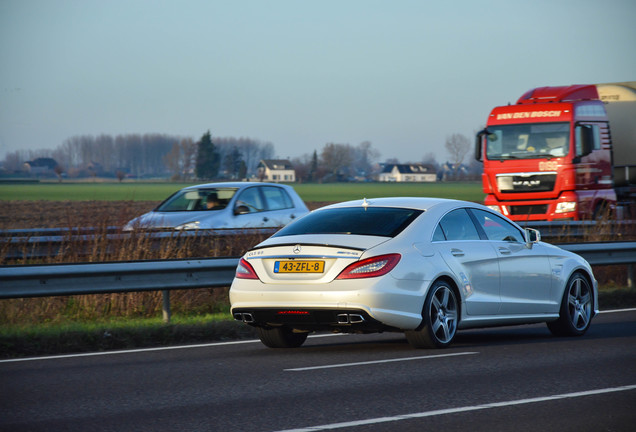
356 318
246 317
343 319
350 318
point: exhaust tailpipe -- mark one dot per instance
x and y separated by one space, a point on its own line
246 317
350 318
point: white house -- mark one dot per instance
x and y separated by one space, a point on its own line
276 170
416 172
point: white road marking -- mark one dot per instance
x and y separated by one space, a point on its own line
411 416
105 353
618 310
378 361
140 350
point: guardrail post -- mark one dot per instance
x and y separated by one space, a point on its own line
630 275
166 306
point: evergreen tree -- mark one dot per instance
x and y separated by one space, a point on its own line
208 158
233 163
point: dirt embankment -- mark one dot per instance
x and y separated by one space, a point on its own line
74 214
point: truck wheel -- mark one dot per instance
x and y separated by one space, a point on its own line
602 212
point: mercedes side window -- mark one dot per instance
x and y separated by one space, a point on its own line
457 225
438 235
497 228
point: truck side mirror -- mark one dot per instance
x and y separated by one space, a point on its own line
585 137
478 143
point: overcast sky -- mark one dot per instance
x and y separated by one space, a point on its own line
401 74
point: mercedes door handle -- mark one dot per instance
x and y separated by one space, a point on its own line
457 252
504 251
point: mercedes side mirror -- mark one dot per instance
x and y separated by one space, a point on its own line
532 236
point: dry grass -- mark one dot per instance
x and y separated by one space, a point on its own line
103 247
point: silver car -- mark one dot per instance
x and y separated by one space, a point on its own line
425 267
225 205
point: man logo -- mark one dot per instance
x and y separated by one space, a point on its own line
526 183
297 249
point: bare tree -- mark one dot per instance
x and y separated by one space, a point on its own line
337 160
429 159
173 161
188 153
365 156
458 146
13 161
59 170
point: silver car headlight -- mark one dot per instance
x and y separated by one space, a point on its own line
189 226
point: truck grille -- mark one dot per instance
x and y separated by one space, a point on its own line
514 183
521 210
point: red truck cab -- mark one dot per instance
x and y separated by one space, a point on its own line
548 156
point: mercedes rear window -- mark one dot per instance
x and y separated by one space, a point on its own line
373 221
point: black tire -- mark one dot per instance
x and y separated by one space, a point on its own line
602 213
439 318
280 337
577 306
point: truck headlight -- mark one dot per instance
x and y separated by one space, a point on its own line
494 208
566 207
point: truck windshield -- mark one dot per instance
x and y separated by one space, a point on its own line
528 141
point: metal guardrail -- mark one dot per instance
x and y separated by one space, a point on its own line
604 253
33 243
574 229
95 278
46 242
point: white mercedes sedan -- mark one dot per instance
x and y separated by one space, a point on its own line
426 267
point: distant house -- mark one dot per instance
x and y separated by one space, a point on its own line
276 170
41 166
450 171
416 172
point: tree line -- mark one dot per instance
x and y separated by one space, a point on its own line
148 155
160 155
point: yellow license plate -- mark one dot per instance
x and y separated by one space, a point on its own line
299 266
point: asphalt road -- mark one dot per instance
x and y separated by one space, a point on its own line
504 379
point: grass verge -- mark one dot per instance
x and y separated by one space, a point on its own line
127 333
117 334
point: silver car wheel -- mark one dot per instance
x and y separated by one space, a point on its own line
576 308
443 314
579 303
439 318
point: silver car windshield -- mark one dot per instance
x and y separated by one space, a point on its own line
374 221
197 200
528 141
